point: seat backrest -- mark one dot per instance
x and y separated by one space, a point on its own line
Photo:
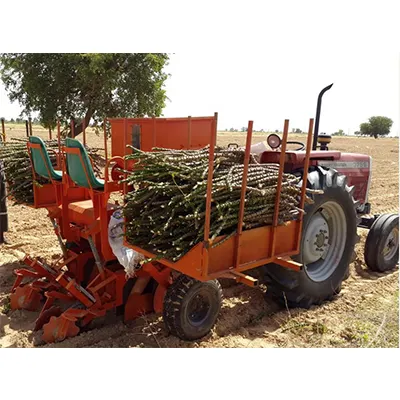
41 160
76 166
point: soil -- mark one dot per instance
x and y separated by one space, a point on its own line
364 314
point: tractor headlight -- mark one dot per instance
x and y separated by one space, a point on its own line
274 141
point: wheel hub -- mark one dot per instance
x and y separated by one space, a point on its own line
198 309
324 241
391 244
316 239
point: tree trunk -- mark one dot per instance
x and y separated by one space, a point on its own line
78 128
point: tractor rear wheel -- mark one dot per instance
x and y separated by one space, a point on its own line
327 245
381 251
191 307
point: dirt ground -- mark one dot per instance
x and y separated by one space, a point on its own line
364 314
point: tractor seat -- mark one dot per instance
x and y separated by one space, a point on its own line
82 212
79 166
41 160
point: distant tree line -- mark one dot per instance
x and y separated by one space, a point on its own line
20 120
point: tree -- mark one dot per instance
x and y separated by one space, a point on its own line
340 132
85 87
376 126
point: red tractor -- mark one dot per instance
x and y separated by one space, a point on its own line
330 225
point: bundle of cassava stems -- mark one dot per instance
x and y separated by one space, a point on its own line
15 163
165 207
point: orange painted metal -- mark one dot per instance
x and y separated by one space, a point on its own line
158 300
279 185
305 176
213 139
72 125
288 263
105 139
242 278
59 136
207 222
25 298
59 328
45 316
243 194
3 130
84 132
189 141
170 133
138 305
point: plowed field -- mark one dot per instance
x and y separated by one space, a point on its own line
364 314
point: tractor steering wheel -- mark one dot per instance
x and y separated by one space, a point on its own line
302 145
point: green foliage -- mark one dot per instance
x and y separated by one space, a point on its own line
376 126
340 132
85 86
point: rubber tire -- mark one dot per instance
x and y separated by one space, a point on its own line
375 243
297 289
176 300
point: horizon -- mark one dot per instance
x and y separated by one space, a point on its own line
202 84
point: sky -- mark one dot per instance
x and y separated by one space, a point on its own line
268 87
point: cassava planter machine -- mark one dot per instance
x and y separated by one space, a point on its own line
303 260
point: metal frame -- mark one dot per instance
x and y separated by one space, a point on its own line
200 262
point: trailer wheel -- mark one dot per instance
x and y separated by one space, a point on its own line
381 252
327 245
191 307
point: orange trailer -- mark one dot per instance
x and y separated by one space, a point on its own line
246 249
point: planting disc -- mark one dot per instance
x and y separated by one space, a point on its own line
58 329
53 311
25 298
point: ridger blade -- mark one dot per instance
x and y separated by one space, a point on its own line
44 318
58 329
25 298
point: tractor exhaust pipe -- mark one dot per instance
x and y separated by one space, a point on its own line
321 93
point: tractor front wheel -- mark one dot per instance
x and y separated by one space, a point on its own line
327 245
191 307
381 252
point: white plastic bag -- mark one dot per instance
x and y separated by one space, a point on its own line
127 257
257 149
